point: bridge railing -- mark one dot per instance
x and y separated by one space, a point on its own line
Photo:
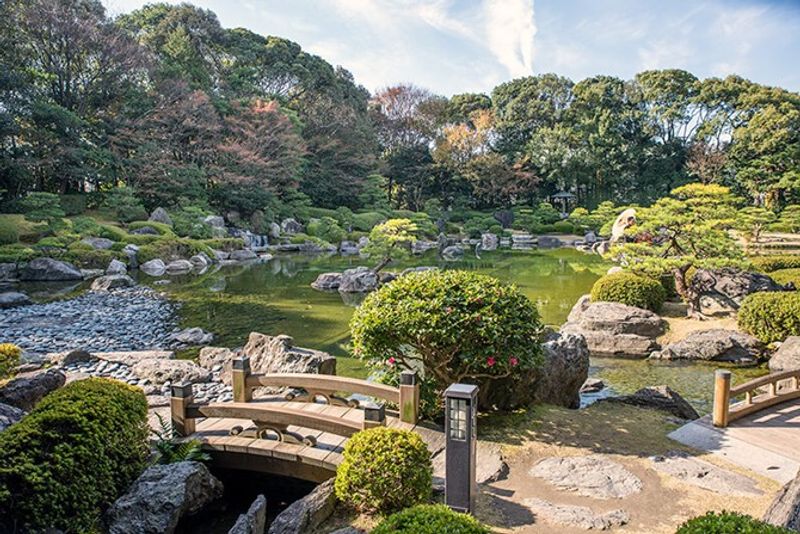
759 394
316 386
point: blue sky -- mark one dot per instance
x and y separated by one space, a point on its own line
455 46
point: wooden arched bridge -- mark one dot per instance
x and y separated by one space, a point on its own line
755 424
294 434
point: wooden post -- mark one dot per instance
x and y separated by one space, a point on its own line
182 397
374 415
722 397
239 374
409 397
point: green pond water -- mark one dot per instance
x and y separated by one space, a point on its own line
276 298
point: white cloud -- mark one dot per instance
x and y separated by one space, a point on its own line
665 54
510 33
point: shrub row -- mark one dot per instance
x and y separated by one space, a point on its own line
787 276
728 523
64 463
630 289
768 264
771 316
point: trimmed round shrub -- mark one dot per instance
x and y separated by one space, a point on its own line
9 233
630 289
458 325
10 355
728 523
72 456
161 228
787 276
771 316
564 227
768 264
430 519
384 470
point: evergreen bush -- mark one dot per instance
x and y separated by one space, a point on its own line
771 316
430 519
728 523
630 289
787 276
9 233
768 264
10 355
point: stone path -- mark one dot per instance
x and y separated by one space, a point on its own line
705 475
591 476
576 516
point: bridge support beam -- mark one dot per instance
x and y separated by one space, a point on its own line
239 374
722 398
409 397
181 397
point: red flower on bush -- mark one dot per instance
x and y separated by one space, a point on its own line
490 361
513 361
391 360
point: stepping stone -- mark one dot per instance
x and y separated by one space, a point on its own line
576 516
592 476
705 475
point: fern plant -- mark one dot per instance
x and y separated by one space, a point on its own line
171 449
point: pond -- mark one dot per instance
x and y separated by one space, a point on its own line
276 298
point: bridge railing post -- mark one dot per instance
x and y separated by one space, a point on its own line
239 373
182 395
722 398
374 415
409 397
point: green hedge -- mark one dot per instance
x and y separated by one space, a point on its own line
728 523
630 289
787 276
430 519
10 355
172 248
9 233
17 253
72 456
384 470
768 264
771 316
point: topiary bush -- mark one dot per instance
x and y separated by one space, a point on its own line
563 227
768 264
10 355
72 456
787 276
9 233
771 316
455 325
630 289
430 519
728 523
384 470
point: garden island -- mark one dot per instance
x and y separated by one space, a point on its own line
242 293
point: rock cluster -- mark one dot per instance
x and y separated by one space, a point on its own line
306 514
717 345
723 290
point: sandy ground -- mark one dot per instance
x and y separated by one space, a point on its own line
679 326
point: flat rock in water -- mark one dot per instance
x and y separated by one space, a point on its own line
576 516
112 281
659 398
717 344
705 475
591 476
50 270
12 299
327 281
155 267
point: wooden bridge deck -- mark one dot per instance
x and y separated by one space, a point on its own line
767 442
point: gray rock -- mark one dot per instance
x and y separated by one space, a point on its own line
132 252
254 521
8 272
591 476
243 255
24 391
221 255
49 270
705 475
274 230
9 415
785 508
112 281
215 220
716 345
98 243
593 385
658 398
723 290
162 495
787 357
179 267
358 280
452 253
306 514
159 371
565 370
88 274
489 241
145 230
160 215
131 358
363 241
116 267
576 516
348 248
210 357
200 261
12 299
546 241
70 358
327 281
590 238
291 226
277 354
154 267
193 336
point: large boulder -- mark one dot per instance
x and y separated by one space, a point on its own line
489 241
291 226
452 253
200 261
155 267
211 357
179 267
160 215
787 357
193 336
9 415
306 514
723 290
277 354
162 495
25 390
358 280
98 243
658 398
717 345
215 221
112 281
785 508
159 371
116 267
243 255
274 230
132 252
254 521
8 272
614 329
50 270
12 299
145 230
327 281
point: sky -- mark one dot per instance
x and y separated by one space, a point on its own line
457 46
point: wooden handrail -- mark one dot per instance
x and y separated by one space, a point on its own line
725 412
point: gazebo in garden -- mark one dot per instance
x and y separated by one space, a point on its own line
564 201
